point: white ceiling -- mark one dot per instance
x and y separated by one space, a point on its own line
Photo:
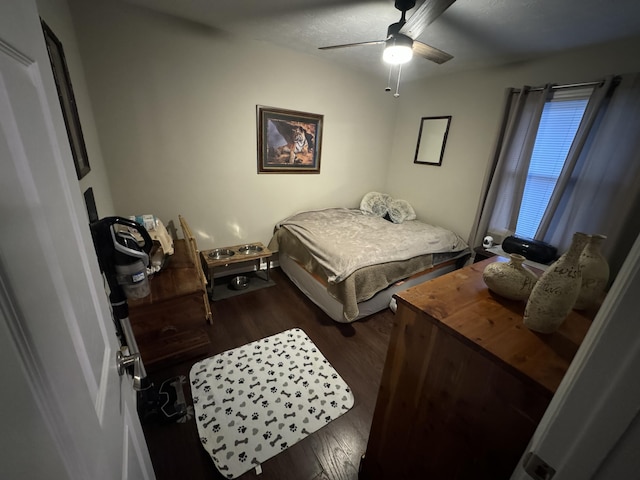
478 33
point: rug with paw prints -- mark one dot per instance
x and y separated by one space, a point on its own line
255 401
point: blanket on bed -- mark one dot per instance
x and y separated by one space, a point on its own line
344 240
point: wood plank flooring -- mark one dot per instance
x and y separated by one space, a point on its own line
357 351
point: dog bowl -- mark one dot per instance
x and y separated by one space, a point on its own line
239 282
250 249
220 253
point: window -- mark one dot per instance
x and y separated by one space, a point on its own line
559 123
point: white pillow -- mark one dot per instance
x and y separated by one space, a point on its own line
400 211
374 203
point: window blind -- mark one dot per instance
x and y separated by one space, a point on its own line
560 120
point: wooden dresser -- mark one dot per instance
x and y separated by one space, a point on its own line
465 383
169 324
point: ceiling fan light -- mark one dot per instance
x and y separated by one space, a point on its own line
398 50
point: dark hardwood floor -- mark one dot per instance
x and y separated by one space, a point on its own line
357 351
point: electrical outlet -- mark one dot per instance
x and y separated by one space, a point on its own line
538 468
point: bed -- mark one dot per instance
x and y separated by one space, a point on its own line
350 262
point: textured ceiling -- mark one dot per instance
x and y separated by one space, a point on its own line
478 33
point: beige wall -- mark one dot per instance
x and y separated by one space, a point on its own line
448 195
176 104
56 14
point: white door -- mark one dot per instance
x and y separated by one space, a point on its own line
65 412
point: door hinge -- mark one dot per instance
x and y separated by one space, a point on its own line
538 468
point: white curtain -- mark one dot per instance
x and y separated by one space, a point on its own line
598 190
504 182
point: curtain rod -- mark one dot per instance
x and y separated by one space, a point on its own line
598 83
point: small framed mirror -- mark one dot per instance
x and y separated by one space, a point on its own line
432 139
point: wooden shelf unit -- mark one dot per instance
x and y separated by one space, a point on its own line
465 383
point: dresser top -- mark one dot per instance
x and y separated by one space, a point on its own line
461 303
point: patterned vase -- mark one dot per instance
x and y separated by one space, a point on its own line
595 273
510 279
556 291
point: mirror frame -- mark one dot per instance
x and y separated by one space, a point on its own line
432 140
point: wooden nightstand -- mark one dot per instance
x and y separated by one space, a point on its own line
482 254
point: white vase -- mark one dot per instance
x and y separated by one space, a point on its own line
595 273
510 279
556 291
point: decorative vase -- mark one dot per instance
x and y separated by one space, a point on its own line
557 290
510 279
595 273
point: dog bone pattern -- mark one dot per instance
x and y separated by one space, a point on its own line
254 401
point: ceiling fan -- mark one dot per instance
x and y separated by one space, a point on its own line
400 43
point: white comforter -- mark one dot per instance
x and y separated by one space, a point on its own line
344 240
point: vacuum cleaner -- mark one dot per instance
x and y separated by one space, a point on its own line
124 260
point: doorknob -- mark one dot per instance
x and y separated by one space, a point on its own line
123 362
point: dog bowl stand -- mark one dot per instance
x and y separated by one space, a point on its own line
255 254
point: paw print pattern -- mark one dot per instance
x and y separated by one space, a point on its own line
305 384
280 364
216 427
288 404
334 404
273 389
327 419
267 435
265 404
298 394
283 445
207 388
271 372
255 416
326 385
251 394
242 429
229 411
243 457
202 417
229 390
241 381
312 410
293 427
218 376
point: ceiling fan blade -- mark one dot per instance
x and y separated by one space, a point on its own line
374 42
431 53
423 16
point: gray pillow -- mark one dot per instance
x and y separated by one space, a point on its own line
400 211
375 203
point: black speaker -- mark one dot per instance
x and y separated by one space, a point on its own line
531 249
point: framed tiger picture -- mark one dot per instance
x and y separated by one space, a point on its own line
288 141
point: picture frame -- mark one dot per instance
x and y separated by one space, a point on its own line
67 101
289 141
432 139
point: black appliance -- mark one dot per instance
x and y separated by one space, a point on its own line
534 250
